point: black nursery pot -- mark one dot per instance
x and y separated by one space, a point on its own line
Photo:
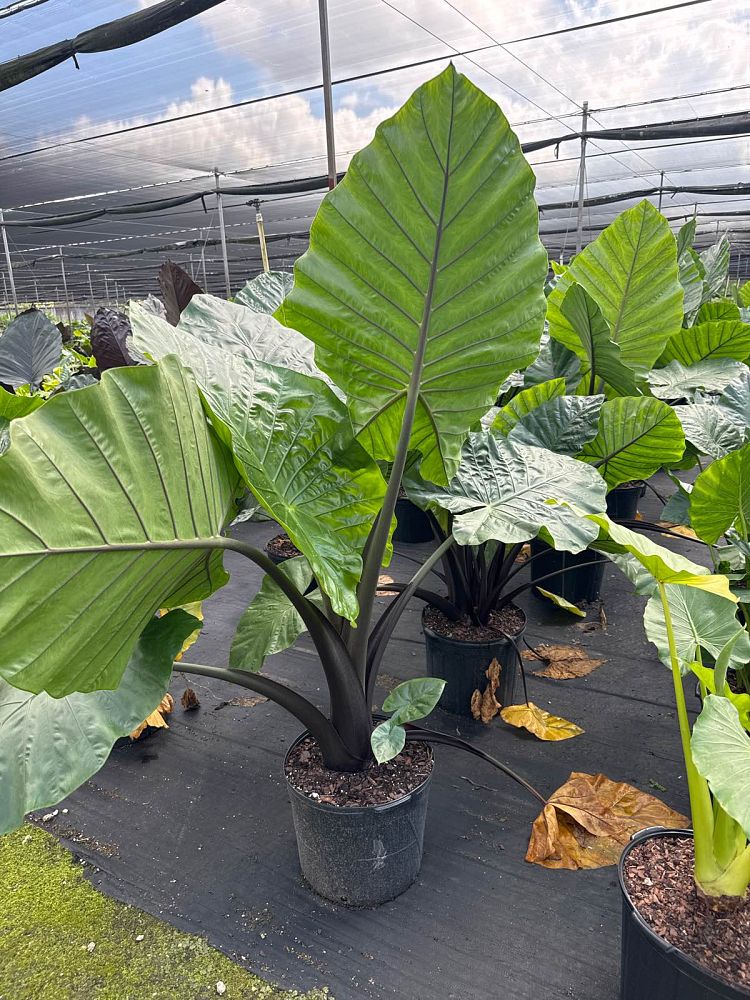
622 501
578 582
463 666
653 969
360 855
412 523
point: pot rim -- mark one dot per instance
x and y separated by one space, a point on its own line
352 810
501 640
637 484
656 939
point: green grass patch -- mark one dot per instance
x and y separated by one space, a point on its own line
50 914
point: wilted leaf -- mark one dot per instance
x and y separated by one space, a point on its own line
542 724
563 662
588 820
678 529
189 700
484 704
157 719
561 602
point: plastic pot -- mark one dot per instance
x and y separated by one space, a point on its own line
412 523
578 582
574 581
653 969
463 666
622 501
360 855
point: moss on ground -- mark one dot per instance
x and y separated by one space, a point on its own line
49 914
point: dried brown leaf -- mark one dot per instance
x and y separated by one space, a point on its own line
543 725
563 662
588 820
484 704
189 700
156 720
678 529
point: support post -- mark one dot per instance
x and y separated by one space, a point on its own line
5 290
36 293
222 233
203 262
8 263
91 289
261 236
325 55
661 188
65 288
582 177
106 291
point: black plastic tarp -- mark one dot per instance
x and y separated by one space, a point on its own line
737 123
607 199
112 35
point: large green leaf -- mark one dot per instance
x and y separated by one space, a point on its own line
293 443
13 406
721 753
270 623
525 402
554 361
718 309
713 429
691 280
129 462
30 347
700 620
663 565
630 271
227 326
564 424
50 746
431 237
721 496
715 262
509 492
266 292
686 236
601 355
714 339
675 381
636 436
736 398
743 294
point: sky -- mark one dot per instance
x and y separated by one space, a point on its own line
252 50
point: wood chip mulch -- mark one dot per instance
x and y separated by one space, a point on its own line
378 784
659 878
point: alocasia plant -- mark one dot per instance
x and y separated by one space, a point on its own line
422 290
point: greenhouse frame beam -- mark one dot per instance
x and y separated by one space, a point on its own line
325 59
8 262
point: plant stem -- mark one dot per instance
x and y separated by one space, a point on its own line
335 754
700 797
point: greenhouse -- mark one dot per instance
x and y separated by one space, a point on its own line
374 500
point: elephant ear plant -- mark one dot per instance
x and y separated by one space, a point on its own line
422 290
690 613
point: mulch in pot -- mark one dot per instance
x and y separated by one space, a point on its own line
282 547
659 879
507 621
380 783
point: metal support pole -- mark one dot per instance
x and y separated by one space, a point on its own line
106 291
661 188
91 289
582 177
325 55
36 293
5 290
223 234
261 237
65 287
9 263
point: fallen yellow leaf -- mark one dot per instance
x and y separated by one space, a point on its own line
678 529
563 662
484 704
588 820
156 720
543 725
